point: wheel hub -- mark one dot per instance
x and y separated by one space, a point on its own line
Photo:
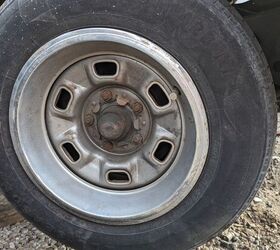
117 120
113 124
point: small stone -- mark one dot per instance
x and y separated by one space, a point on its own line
275 160
258 200
12 245
225 244
268 204
229 236
234 239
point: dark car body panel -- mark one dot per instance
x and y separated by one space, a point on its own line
263 16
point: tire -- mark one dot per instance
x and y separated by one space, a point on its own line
231 75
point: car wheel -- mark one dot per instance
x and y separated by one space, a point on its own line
132 124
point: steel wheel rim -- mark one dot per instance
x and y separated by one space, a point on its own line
78 195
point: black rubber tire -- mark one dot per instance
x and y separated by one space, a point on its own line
211 41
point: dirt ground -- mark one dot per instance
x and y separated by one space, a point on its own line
257 229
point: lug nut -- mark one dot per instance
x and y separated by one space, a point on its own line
137 107
173 96
108 146
107 95
95 107
137 139
89 120
122 101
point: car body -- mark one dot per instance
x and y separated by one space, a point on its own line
263 17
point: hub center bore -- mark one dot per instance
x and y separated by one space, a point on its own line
114 124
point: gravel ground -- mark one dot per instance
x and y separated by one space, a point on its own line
257 229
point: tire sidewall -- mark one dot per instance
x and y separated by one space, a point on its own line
226 77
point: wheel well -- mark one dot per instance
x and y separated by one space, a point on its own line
259 15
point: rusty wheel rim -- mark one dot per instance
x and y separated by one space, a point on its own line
121 125
111 132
